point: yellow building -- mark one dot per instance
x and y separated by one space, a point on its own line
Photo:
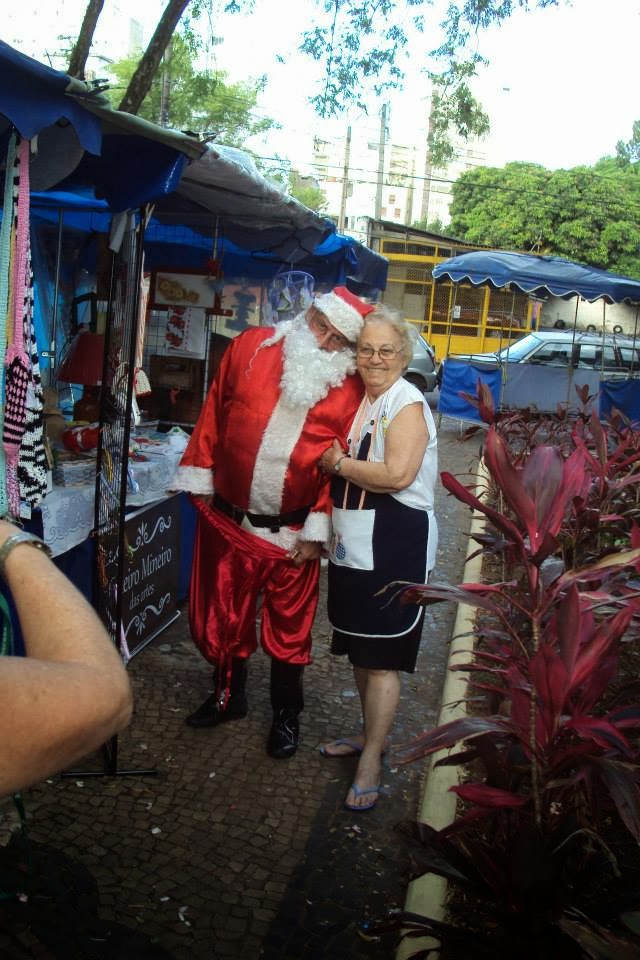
454 318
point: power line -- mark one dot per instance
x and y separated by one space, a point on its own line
557 200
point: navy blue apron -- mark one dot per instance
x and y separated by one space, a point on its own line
400 535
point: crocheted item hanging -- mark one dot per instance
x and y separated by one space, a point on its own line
141 385
10 192
17 372
32 460
17 384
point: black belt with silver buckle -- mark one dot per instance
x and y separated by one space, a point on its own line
260 519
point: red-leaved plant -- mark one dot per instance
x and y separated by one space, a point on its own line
550 760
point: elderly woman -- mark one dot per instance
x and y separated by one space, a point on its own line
384 529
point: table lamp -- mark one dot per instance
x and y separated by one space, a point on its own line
83 364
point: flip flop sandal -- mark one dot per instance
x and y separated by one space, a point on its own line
363 793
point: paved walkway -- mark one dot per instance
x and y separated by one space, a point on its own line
227 853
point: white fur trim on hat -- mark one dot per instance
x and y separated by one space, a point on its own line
340 314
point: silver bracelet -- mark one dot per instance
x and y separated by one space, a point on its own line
15 540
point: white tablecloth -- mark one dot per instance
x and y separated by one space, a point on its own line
68 512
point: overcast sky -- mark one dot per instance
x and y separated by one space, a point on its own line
561 88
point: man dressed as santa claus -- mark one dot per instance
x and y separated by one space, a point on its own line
278 400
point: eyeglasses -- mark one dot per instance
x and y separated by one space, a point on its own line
385 353
335 340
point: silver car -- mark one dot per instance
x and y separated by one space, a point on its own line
614 356
422 368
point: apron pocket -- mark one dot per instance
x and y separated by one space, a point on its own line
352 538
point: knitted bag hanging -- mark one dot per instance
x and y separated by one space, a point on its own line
17 361
11 175
141 385
32 459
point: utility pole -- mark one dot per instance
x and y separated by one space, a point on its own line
408 218
345 181
428 169
381 145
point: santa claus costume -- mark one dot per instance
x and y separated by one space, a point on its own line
255 448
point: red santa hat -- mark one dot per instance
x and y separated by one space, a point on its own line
343 310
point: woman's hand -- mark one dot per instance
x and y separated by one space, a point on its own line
331 456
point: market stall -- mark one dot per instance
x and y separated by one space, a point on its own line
120 219
517 385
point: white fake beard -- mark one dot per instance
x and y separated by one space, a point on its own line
308 372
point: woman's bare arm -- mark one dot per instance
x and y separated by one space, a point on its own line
70 693
404 448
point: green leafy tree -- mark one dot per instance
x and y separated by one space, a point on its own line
199 101
588 214
309 193
628 153
453 106
304 189
360 45
430 226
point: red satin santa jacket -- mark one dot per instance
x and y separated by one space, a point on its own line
263 453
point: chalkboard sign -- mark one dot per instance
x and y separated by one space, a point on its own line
151 573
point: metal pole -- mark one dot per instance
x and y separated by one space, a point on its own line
504 367
571 368
380 174
633 345
345 181
51 373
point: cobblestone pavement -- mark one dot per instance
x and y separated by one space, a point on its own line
226 853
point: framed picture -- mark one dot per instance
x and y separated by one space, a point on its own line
182 289
242 308
185 333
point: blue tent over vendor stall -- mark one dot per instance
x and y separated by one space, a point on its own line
96 176
84 144
538 276
92 163
336 260
519 384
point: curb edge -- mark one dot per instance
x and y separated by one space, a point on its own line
426 895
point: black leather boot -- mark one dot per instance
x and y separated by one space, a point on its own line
282 742
210 713
287 701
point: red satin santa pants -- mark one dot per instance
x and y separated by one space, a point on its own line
231 568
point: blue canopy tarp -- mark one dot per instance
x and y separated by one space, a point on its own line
538 276
336 260
33 96
69 117
461 377
97 161
624 395
128 161
93 162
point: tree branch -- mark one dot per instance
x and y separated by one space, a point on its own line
147 68
82 46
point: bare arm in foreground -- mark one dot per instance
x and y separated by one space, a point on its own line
70 693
